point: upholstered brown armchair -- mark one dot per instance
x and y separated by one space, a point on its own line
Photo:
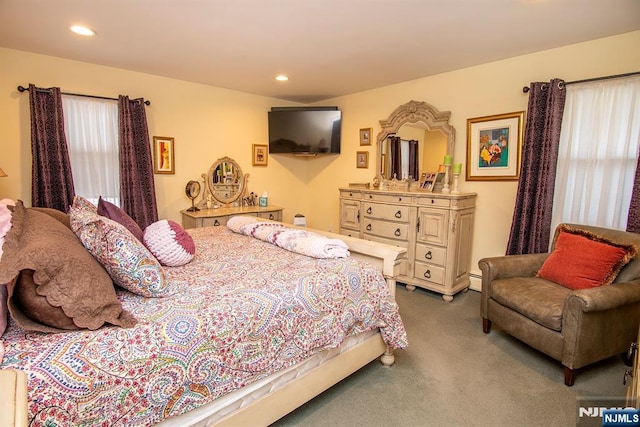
576 327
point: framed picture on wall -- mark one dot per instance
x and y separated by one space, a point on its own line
362 159
494 146
163 155
260 155
365 136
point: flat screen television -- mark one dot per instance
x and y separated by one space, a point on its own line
304 131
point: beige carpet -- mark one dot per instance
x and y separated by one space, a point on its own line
452 374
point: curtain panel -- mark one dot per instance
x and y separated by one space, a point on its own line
52 180
137 186
531 224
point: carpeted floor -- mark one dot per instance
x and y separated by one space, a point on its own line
453 374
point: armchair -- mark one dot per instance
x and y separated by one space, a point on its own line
576 327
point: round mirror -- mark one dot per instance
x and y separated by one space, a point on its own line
414 139
225 180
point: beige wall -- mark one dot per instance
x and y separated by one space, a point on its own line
208 123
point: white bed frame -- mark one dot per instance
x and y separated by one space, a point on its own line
281 401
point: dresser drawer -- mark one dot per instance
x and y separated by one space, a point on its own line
387 212
387 198
429 272
346 194
273 216
392 242
389 230
431 254
215 221
434 202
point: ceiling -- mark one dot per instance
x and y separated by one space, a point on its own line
328 48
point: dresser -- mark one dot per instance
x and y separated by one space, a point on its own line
435 228
632 376
220 216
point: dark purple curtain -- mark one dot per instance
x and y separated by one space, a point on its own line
137 187
396 157
52 182
531 224
413 159
633 218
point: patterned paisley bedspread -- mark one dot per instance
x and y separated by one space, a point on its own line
242 310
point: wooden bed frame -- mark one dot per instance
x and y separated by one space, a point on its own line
277 403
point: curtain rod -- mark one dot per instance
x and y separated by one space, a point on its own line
26 89
526 88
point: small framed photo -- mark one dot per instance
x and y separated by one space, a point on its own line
260 155
365 136
362 159
427 180
163 155
494 146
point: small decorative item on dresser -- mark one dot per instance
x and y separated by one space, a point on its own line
163 155
362 159
260 155
365 136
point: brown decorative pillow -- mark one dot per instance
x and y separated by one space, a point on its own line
581 259
59 215
55 284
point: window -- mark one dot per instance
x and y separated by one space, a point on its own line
598 153
91 127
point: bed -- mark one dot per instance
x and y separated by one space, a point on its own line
246 332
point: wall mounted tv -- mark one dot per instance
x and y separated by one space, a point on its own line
304 130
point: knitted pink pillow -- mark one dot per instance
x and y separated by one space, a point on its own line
169 243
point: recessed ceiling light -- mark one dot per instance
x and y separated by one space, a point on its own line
282 78
82 30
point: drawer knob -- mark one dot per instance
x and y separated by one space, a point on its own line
428 255
350 194
432 201
427 274
216 223
271 216
369 210
398 214
368 227
397 232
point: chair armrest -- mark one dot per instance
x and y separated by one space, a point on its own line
605 297
13 405
501 267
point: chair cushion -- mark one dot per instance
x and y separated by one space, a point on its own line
538 299
582 259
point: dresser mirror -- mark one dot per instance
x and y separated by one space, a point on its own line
225 181
414 121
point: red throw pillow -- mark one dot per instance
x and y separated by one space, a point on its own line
582 260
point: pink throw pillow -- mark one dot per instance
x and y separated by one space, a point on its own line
169 243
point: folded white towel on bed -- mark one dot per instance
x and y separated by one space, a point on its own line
295 240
